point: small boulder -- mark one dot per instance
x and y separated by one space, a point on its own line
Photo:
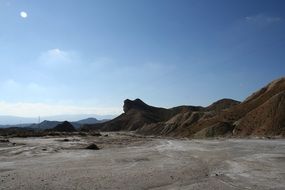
96 134
93 147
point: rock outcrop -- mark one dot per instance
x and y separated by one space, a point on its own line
137 113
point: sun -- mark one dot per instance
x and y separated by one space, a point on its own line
23 14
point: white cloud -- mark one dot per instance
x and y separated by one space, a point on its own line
10 88
34 87
262 19
24 109
10 83
57 56
13 86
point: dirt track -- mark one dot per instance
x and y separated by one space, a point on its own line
128 162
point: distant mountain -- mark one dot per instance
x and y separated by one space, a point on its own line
63 127
77 117
7 121
91 120
51 124
45 125
261 114
18 125
14 120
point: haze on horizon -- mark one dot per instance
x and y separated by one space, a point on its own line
86 57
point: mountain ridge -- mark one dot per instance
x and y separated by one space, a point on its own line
8 120
260 114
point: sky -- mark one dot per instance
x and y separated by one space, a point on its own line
87 57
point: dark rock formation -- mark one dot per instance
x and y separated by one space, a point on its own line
136 104
63 127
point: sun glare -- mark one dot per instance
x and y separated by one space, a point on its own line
24 14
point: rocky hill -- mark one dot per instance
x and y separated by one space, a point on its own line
261 114
182 122
63 127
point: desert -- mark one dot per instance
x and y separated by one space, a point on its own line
130 161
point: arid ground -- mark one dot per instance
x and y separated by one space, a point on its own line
126 161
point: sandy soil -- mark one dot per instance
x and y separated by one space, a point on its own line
130 162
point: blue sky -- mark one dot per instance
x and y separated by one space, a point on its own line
86 57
